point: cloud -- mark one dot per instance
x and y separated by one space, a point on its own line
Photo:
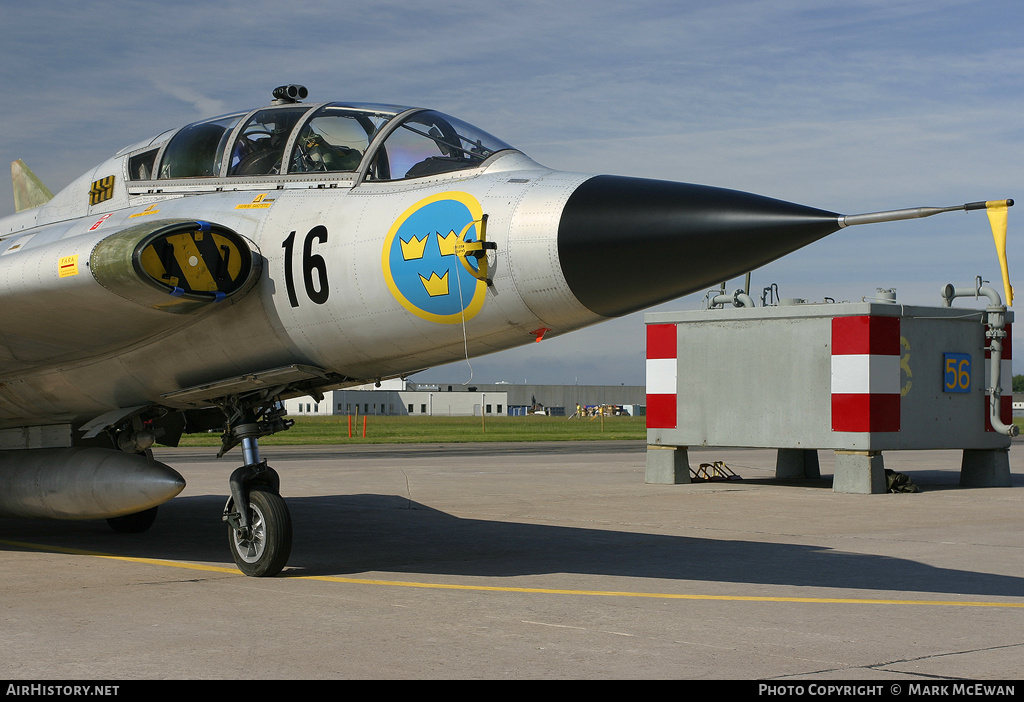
203 105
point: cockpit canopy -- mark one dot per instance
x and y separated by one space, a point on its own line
375 142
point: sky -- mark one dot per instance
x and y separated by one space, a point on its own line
850 107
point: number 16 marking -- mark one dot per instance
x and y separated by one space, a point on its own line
317 289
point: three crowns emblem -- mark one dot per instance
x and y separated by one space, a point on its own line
431 260
414 249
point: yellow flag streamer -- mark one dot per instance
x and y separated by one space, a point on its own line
996 210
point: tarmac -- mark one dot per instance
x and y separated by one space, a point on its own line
534 561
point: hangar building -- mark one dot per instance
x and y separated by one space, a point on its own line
398 397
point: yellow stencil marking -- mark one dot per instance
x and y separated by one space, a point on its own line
67 266
148 211
260 202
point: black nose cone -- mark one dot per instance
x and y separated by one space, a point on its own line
629 243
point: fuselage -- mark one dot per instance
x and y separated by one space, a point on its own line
361 222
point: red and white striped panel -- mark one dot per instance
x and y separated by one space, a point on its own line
866 373
661 376
1005 382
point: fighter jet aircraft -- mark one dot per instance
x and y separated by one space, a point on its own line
194 280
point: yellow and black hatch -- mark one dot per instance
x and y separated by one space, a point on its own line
195 260
173 264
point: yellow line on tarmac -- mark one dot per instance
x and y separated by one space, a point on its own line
525 590
658 595
129 559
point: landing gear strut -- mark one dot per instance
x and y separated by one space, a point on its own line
259 524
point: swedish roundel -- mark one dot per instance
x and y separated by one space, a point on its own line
420 261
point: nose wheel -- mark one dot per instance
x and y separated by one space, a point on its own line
262 548
259 524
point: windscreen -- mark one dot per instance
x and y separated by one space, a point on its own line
428 143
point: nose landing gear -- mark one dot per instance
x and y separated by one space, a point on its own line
259 524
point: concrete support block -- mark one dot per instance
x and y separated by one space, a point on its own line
797 464
861 472
985 468
667 465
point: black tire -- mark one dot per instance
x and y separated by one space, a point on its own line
134 523
266 552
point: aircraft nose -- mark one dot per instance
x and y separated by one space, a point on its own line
629 243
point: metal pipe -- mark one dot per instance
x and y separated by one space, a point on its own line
995 334
741 299
910 213
949 293
995 355
737 299
995 318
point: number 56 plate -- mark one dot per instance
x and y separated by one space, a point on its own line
957 372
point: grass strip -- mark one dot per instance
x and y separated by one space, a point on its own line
381 429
